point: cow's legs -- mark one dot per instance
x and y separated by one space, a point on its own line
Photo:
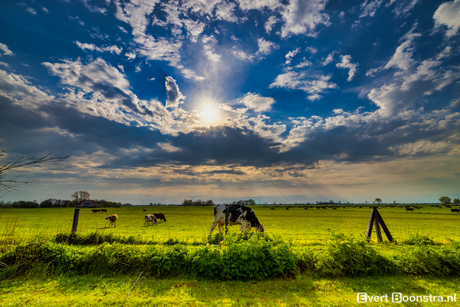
214 224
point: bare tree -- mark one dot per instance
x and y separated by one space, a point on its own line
10 182
79 196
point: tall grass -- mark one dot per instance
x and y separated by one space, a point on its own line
247 256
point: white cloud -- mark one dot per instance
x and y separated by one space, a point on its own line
312 84
303 64
402 58
403 7
31 10
5 50
257 103
112 49
21 91
348 65
291 54
329 59
168 147
240 54
447 15
86 76
403 98
369 8
225 11
209 44
130 55
265 47
271 21
302 17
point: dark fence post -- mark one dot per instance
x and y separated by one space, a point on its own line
75 220
371 223
376 218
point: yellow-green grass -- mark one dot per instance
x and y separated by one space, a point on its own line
145 291
192 224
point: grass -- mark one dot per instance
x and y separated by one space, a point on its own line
192 224
189 226
142 291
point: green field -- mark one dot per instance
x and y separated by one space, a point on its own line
192 224
308 234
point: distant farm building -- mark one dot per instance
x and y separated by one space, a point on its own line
88 204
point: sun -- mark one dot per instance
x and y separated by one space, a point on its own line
209 114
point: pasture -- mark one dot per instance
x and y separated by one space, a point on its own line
308 265
192 224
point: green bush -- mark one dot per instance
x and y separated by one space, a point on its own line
346 256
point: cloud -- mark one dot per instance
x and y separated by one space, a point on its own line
302 17
329 59
265 47
312 84
402 58
400 99
271 21
348 65
447 15
209 45
175 97
240 54
225 11
257 103
5 50
290 55
369 8
112 49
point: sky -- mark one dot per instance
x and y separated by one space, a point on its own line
278 101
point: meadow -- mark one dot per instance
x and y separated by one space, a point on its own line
314 257
192 224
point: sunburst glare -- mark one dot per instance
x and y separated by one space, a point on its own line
209 114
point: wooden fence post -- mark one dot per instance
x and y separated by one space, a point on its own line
376 218
75 220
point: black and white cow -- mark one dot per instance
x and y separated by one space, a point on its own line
236 215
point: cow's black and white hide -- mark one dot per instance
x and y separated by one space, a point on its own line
237 215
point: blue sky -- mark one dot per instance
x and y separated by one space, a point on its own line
279 101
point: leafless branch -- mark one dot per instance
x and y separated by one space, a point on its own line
11 184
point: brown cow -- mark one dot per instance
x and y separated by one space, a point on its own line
150 218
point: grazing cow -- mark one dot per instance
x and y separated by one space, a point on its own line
455 210
150 218
306 208
112 220
409 209
145 210
160 216
96 210
104 210
235 215
334 208
272 208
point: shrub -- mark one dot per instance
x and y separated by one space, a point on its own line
345 256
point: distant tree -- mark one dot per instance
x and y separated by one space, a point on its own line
444 200
79 196
378 200
10 182
456 201
249 202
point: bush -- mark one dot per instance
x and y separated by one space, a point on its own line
345 256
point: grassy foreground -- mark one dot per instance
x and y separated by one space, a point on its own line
144 291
